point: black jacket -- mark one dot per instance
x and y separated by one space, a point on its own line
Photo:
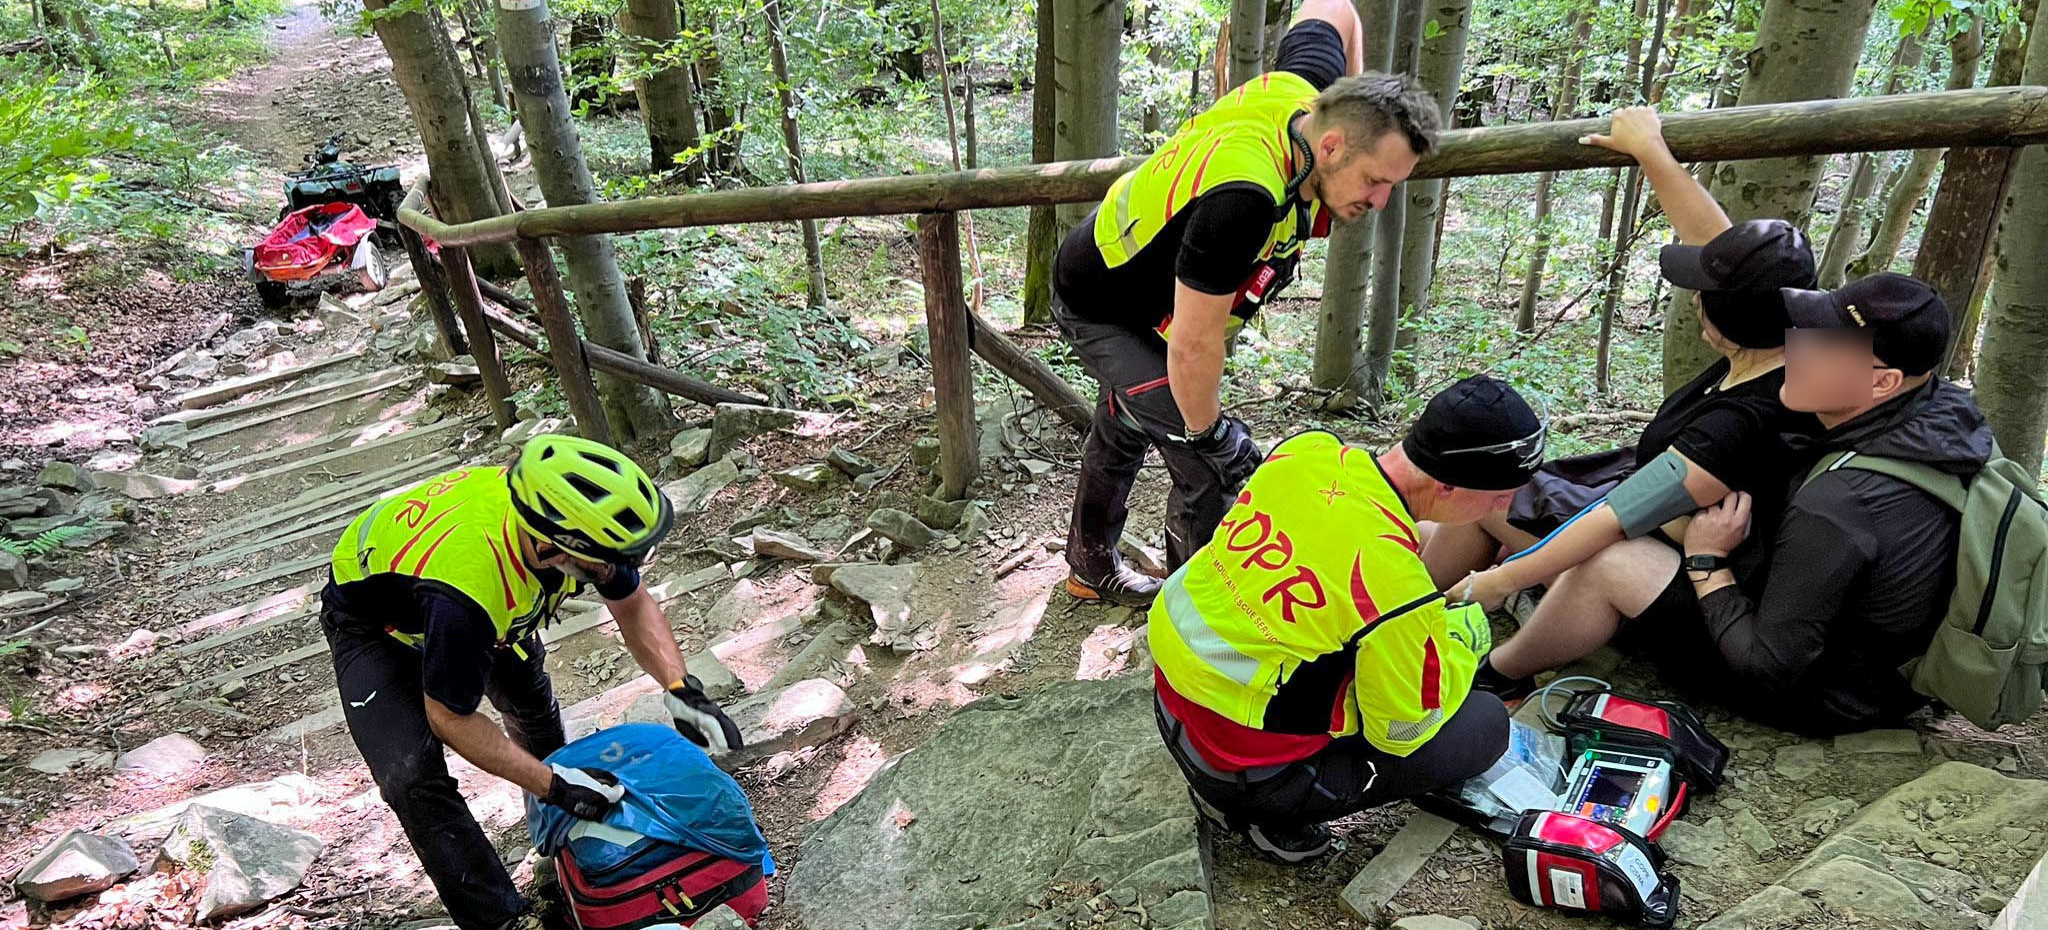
1861 569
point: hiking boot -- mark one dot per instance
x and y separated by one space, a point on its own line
1291 845
1511 691
1521 605
1124 586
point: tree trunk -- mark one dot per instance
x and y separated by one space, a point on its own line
723 156
1440 62
792 141
2012 383
485 47
1247 40
1383 329
967 118
424 64
1566 101
1155 54
1805 50
1090 38
1681 25
1341 319
1277 12
2005 71
652 28
1041 240
1847 236
1966 50
591 62
632 411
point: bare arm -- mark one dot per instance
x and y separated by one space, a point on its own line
648 637
1194 354
1693 212
476 738
1340 14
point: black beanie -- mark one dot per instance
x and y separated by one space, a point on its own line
1474 414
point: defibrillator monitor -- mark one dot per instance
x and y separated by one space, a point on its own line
1620 789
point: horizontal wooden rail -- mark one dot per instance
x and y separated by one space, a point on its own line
1992 116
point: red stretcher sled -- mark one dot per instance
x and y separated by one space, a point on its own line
312 243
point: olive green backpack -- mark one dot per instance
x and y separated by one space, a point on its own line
1986 660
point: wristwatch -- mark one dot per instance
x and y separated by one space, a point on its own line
1705 563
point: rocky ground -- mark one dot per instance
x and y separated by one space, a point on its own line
938 736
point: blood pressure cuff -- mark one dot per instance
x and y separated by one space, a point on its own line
1569 862
1653 496
1608 719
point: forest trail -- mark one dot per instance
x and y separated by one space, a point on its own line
322 80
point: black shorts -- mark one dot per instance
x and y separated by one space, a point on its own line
1672 635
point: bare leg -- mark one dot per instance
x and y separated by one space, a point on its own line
1453 551
1586 606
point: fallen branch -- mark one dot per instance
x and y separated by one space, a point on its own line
1565 424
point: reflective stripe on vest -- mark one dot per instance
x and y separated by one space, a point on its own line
1310 609
455 530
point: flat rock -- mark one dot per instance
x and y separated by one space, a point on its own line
142 486
737 608
66 476
13 571
460 371
1800 761
691 492
942 514
901 528
77 863
1431 922
246 861
718 682
733 424
821 572
164 437
720 918
1879 741
1702 845
1745 827
924 451
968 831
886 591
777 545
66 761
849 463
287 797
812 476
820 657
807 713
63 585
23 600
691 447
163 758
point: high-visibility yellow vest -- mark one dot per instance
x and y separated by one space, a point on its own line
1310 611
457 531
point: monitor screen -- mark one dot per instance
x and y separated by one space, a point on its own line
1612 787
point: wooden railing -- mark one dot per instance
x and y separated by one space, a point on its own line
1984 127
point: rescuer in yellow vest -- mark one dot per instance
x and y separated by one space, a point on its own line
1308 668
436 601
1195 240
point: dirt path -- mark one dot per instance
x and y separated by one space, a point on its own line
322 80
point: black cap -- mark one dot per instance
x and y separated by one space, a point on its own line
1758 255
1906 318
1477 434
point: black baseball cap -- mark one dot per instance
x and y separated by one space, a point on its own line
1478 434
1757 255
1906 318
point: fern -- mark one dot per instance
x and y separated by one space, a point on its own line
46 543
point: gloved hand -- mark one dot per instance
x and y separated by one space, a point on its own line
1228 446
587 794
699 718
1468 625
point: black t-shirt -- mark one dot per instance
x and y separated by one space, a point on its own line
1743 435
459 645
1212 243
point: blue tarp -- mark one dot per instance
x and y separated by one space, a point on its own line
674 793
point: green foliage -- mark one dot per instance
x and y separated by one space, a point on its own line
49 541
54 140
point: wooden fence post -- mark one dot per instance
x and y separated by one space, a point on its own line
1961 224
945 314
565 345
435 286
461 279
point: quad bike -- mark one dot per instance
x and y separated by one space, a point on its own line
333 217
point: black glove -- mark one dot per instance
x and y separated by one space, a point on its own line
587 794
1227 444
699 718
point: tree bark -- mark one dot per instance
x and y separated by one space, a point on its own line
947 323
667 104
633 411
1566 100
485 47
1247 40
1340 321
2012 383
1681 25
1041 239
1847 236
1991 170
1440 62
723 156
1085 125
424 64
1966 50
1383 329
1155 55
1805 50
792 142
967 126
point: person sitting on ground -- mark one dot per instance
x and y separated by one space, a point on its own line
1725 430
1860 566
436 601
1308 668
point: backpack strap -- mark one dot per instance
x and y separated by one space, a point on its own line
1939 484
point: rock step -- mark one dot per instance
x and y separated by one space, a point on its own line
219 392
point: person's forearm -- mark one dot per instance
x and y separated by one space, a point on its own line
649 639
1705 583
1694 213
1592 531
1194 369
476 738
